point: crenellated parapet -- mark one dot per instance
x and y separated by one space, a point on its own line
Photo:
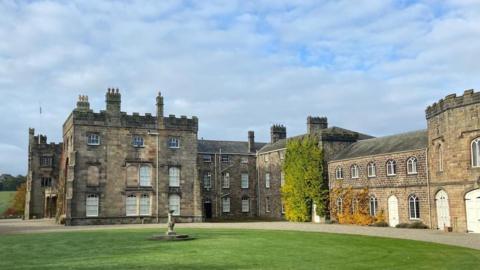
452 101
182 123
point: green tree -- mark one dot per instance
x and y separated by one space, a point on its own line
304 185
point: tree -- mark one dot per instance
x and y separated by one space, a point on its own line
19 200
304 185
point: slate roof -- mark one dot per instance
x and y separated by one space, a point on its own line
383 145
227 147
280 144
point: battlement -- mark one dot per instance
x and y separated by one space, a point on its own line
182 123
40 140
452 101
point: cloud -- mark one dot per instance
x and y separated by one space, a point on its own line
371 66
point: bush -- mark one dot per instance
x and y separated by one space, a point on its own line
414 225
380 224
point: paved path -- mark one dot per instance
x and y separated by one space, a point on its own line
456 239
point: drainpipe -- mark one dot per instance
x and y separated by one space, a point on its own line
156 134
428 187
258 183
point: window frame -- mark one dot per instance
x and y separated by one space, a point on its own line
138 141
226 206
373 210
96 205
142 209
267 180
339 173
373 166
242 180
243 160
173 143
267 205
129 206
412 161
245 205
205 159
475 155
391 164
413 199
207 175
91 141
178 205
225 158
174 174
141 177
354 171
339 204
226 180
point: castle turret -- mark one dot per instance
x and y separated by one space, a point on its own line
113 100
277 132
251 141
315 124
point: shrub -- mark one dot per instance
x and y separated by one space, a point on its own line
414 225
380 224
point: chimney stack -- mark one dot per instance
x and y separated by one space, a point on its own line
277 132
316 124
251 142
113 99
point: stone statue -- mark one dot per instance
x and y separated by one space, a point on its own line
171 224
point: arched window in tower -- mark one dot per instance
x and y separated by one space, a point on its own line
440 157
476 152
412 165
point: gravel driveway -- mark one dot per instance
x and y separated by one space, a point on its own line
455 239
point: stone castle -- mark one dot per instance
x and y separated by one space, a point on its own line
118 168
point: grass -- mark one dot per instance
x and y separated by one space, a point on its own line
226 249
6 198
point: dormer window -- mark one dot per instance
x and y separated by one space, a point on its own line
173 142
93 139
137 141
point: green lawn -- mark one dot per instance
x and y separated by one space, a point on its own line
226 249
6 198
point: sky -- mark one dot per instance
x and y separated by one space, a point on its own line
370 66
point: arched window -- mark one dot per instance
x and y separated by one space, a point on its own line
145 205
174 204
354 205
92 205
339 173
131 205
373 206
412 165
339 205
226 180
391 167
371 169
174 176
414 207
245 204
440 157
476 153
354 171
145 176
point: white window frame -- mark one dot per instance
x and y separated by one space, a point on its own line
354 171
137 141
225 158
413 199
440 157
131 205
245 205
267 180
207 184
282 179
371 169
207 158
92 205
244 182
226 204
226 180
412 165
339 204
475 153
174 176
145 176
339 173
244 160
93 139
373 203
391 167
174 203
145 205
173 143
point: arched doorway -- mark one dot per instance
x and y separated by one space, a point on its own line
443 210
393 211
472 205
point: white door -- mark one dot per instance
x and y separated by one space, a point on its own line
443 211
392 211
472 205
